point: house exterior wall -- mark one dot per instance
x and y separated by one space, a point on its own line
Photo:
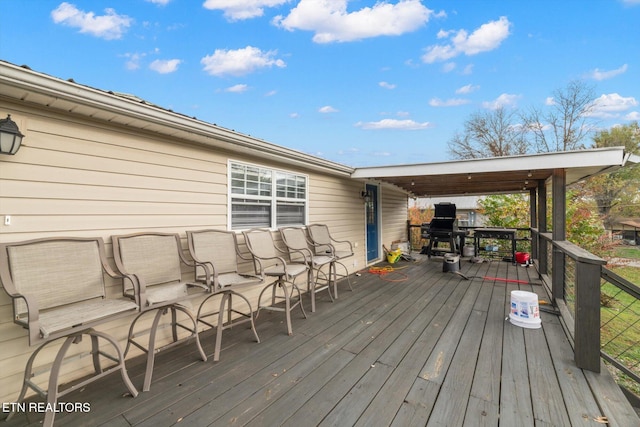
394 216
77 177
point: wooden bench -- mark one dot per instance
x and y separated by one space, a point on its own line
58 292
151 263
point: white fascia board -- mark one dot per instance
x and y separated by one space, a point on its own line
599 157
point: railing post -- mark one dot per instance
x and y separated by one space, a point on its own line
559 209
533 222
542 228
587 316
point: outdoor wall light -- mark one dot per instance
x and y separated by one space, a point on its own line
366 196
10 136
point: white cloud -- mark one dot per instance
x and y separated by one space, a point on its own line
468 69
159 2
453 102
239 62
394 124
549 101
448 67
631 2
610 105
486 38
327 109
331 21
133 60
236 10
294 115
504 100
599 75
467 89
387 85
108 26
239 88
165 66
634 115
271 93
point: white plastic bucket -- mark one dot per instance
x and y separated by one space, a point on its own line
525 311
468 250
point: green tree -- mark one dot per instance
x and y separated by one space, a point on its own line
506 210
617 193
584 227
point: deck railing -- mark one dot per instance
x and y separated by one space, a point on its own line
599 309
620 300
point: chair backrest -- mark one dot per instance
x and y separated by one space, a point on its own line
296 241
217 247
55 271
153 257
260 243
319 234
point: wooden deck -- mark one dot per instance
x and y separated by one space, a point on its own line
414 347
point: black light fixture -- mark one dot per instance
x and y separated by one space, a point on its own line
366 196
10 136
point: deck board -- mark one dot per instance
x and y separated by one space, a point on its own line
415 347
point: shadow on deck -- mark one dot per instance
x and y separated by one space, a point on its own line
413 347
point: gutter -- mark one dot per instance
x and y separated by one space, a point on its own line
170 123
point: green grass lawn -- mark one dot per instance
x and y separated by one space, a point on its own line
620 319
631 252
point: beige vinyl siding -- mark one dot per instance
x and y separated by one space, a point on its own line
77 177
394 215
337 203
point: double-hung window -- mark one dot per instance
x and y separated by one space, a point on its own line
265 197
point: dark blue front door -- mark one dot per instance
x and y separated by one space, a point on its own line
371 212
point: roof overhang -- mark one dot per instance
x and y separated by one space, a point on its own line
22 85
513 174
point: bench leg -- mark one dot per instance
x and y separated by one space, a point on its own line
226 306
346 275
287 294
220 326
120 360
52 393
151 352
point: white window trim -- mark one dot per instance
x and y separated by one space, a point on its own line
274 199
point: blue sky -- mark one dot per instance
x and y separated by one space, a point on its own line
358 82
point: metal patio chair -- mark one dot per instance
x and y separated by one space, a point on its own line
269 261
298 245
58 291
216 253
151 263
327 245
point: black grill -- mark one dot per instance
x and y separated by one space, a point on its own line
442 228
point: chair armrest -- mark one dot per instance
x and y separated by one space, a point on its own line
242 257
343 241
259 261
306 254
139 290
33 311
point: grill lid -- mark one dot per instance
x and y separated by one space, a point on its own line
445 210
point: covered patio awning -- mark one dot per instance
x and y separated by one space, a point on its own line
511 174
